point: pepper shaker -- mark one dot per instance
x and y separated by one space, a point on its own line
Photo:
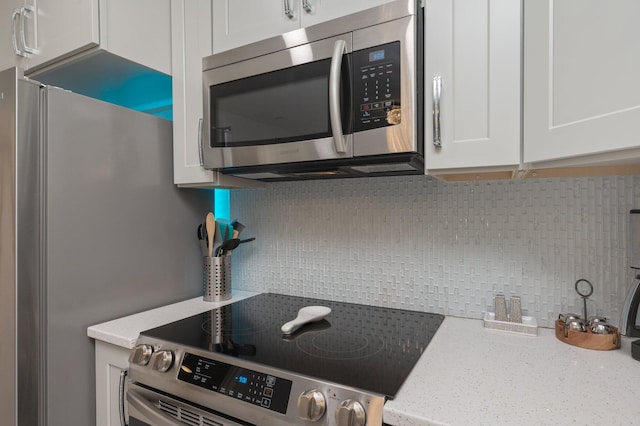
515 309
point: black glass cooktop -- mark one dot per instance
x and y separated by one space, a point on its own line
367 347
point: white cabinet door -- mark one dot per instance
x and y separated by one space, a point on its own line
474 47
110 361
12 24
191 41
64 27
239 22
316 11
581 78
138 31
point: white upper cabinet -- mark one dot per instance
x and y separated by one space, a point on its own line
240 22
473 48
190 42
581 82
15 14
316 11
50 31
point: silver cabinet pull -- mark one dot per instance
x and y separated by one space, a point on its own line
307 6
14 37
288 10
25 12
200 143
339 49
437 87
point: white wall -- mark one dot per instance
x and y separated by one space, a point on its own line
420 244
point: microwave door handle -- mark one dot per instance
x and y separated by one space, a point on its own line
339 49
149 411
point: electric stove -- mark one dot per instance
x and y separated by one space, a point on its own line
233 365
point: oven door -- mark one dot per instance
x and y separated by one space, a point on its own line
150 408
289 106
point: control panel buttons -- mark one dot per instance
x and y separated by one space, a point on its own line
162 361
311 405
140 355
350 413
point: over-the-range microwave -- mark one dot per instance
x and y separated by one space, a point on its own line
343 98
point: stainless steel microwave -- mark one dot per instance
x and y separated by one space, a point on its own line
343 98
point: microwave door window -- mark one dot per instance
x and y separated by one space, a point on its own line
277 107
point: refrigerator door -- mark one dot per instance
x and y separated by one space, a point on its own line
119 236
21 385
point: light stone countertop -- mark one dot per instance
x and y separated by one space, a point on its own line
124 332
469 375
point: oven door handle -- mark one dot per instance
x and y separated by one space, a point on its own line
152 414
339 48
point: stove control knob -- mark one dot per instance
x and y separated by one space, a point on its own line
350 413
311 405
141 354
162 361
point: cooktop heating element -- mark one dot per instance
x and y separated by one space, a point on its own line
236 361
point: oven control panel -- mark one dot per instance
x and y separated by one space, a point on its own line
376 75
250 386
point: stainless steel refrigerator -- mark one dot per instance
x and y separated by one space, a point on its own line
92 228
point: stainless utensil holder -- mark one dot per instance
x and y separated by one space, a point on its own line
216 278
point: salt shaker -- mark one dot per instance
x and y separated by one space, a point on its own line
501 308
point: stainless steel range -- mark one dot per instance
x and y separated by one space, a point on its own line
234 366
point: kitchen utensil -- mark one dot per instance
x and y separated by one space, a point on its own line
587 338
210 225
227 246
576 325
216 279
597 320
584 290
305 315
248 240
600 328
568 317
237 228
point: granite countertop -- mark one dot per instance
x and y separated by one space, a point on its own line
469 375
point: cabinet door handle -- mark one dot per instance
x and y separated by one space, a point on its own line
200 143
437 87
14 36
334 96
307 6
288 10
24 11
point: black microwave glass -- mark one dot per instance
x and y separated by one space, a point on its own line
286 105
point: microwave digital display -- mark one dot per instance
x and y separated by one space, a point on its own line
378 55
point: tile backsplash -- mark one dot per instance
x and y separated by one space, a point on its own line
420 244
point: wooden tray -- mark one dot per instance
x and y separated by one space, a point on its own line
587 339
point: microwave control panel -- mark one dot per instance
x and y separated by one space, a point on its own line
376 95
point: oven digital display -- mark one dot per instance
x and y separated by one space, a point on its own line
250 386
